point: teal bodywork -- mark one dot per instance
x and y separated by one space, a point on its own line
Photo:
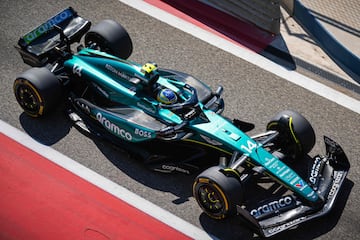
233 139
118 80
124 82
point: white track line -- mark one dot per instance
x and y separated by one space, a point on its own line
104 183
247 55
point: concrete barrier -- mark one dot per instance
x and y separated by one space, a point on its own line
263 13
342 56
266 15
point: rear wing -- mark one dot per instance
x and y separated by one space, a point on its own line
36 47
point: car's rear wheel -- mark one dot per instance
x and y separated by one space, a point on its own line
110 37
218 191
37 91
297 137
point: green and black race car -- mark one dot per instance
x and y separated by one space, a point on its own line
172 121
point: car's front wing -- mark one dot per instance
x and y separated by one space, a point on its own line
327 183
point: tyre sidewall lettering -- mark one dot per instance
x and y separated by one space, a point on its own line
18 83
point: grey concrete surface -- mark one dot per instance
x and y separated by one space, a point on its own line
342 20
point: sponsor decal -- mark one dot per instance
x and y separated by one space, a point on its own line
77 69
102 91
300 184
294 180
280 169
117 72
142 133
311 194
334 188
285 172
147 108
113 127
289 175
315 170
174 168
43 28
286 225
273 207
269 161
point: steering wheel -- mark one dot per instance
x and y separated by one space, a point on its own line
190 102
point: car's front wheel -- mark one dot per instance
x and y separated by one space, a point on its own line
218 191
297 137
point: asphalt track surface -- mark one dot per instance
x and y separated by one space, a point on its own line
251 94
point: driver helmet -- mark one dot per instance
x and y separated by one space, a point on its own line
166 96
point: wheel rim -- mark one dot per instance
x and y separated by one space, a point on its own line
28 98
211 200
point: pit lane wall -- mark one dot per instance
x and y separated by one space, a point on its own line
266 14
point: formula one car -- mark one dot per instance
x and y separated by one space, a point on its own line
172 121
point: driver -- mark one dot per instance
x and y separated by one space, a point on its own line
166 96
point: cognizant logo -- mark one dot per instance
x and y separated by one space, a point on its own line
113 127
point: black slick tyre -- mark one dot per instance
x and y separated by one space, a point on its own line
37 91
297 137
110 37
218 192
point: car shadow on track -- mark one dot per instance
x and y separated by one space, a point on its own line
46 130
176 183
226 229
55 126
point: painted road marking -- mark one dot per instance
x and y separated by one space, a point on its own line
72 207
244 53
